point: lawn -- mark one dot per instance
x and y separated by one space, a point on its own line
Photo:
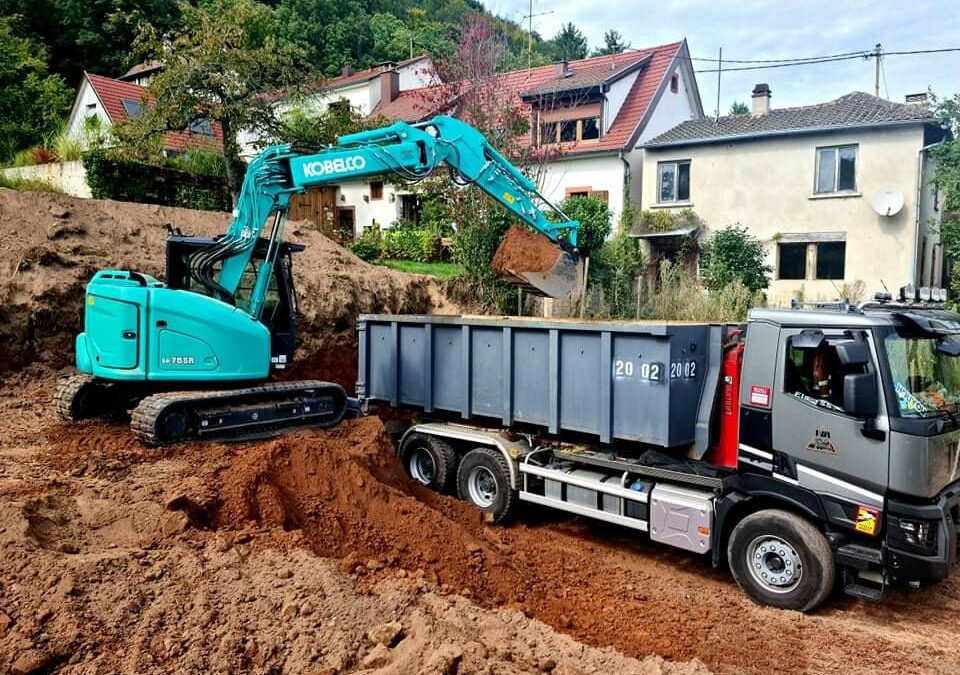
440 270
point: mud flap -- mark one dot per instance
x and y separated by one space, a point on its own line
538 265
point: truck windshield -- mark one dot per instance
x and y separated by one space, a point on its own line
926 382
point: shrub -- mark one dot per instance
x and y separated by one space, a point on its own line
617 267
367 247
67 149
44 156
680 298
594 217
202 162
23 158
126 180
733 254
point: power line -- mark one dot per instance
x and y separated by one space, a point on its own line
825 59
802 58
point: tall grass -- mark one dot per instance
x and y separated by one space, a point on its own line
28 185
681 298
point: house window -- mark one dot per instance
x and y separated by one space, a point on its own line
132 108
602 195
341 105
570 131
201 128
674 181
674 84
812 260
836 169
376 189
91 109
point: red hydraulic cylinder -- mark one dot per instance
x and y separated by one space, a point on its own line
728 445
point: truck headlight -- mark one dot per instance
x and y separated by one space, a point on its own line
921 534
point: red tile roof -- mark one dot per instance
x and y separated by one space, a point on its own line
112 93
414 105
368 73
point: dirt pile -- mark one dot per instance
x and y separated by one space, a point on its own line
200 560
50 246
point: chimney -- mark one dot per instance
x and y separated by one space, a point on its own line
916 98
761 99
389 85
563 69
347 70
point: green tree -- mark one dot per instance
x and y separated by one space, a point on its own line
32 101
223 66
308 128
738 108
613 43
594 217
569 44
91 35
946 157
733 254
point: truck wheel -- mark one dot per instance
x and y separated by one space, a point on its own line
429 460
483 479
782 560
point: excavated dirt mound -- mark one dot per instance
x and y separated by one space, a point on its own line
50 246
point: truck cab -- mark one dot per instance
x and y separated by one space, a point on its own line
851 414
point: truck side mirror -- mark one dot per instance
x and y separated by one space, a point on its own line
860 395
853 353
949 346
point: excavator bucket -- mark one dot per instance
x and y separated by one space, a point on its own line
536 264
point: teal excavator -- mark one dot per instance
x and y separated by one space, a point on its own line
192 357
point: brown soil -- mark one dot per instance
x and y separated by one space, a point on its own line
523 250
281 556
50 246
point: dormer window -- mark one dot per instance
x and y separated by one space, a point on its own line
570 130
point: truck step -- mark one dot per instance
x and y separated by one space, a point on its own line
864 592
859 556
853 588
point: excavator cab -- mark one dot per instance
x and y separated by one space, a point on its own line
279 312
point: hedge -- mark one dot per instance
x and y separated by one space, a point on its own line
129 181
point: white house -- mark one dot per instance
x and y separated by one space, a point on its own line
839 192
592 115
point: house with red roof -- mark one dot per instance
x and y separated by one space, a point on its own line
588 116
110 100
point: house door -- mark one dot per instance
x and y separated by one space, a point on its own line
319 206
345 224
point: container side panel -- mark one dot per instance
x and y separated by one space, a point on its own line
689 352
581 378
380 361
487 371
412 366
531 376
640 387
447 368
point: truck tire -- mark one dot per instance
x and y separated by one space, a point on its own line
781 559
483 479
429 460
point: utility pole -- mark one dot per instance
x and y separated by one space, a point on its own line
877 52
719 73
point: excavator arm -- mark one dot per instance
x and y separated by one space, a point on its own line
409 152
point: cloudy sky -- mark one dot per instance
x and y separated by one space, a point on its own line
777 29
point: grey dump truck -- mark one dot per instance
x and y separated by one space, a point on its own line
806 449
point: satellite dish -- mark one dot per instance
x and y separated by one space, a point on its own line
887 201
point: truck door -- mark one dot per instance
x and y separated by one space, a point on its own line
830 452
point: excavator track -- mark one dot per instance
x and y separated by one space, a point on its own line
238 414
84 397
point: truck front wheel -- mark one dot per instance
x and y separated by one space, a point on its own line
782 560
483 479
429 460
